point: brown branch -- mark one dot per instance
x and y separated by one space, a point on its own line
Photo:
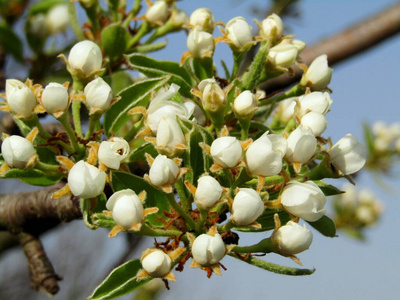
41 270
346 44
35 212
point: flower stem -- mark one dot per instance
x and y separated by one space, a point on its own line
47 167
143 30
76 108
180 188
237 60
264 246
70 132
296 90
181 212
251 77
93 119
226 226
146 230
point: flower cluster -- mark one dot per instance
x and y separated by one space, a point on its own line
186 154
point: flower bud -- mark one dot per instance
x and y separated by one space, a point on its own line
245 105
57 18
85 58
318 75
214 99
112 152
55 98
316 102
202 18
315 121
239 34
264 156
282 55
85 180
208 192
304 200
158 13
348 155
272 27
37 25
300 45
291 239
169 135
126 207
247 207
156 263
200 43
20 98
226 151
17 151
98 95
178 18
208 250
301 145
163 171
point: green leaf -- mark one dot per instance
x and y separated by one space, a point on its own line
101 220
120 80
267 221
274 267
155 197
139 153
46 155
122 280
325 226
11 42
156 68
135 95
43 6
32 177
328 189
114 39
369 138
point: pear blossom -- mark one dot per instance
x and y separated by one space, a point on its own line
202 18
348 155
318 75
200 43
301 145
85 58
245 105
17 151
316 101
55 98
98 95
247 207
304 200
85 180
156 263
158 13
226 151
272 27
169 135
208 250
315 121
163 171
292 238
57 18
112 152
214 99
239 34
282 55
264 155
208 192
20 98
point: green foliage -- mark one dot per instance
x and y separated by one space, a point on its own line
10 41
114 39
325 226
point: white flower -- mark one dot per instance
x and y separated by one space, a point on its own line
57 18
208 192
126 207
318 75
348 155
200 43
239 34
85 180
315 121
98 95
316 101
55 98
226 151
112 152
196 111
85 57
208 250
157 13
264 155
160 107
214 99
163 171
17 151
304 200
272 27
245 105
283 55
169 135
20 98
300 45
301 145
178 18
247 207
203 18
156 263
292 238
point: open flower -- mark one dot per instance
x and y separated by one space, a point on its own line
112 152
85 180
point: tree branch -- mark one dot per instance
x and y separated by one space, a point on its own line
346 44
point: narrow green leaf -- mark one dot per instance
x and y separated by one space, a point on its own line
325 226
101 220
120 80
155 197
114 39
32 177
274 267
122 280
368 137
328 189
266 221
157 68
139 153
135 95
43 6
11 42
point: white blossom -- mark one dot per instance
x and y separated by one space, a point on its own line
272 27
163 171
156 263
169 135
17 151
247 207
98 95
157 13
301 145
318 75
315 121
208 192
239 34
112 152
20 98
245 105
57 18
208 250
226 151
283 55
85 180
85 57
292 238
55 98
200 43
202 18
214 99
